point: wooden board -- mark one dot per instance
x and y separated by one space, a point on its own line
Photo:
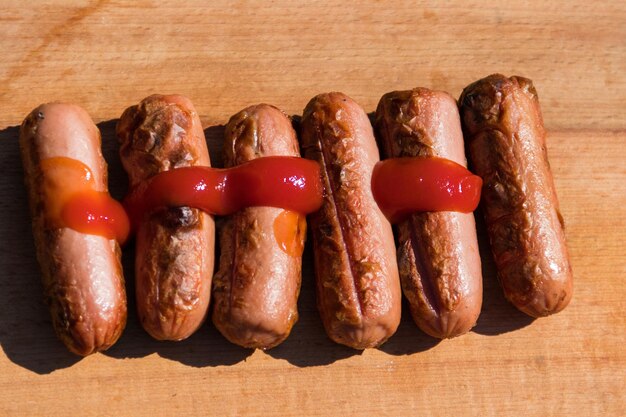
107 55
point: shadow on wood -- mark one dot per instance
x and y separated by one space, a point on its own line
215 138
206 347
497 315
28 340
26 334
408 339
308 345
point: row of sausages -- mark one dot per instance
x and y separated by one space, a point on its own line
359 272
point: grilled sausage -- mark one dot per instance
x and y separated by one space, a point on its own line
175 246
256 289
81 273
438 255
358 289
506 143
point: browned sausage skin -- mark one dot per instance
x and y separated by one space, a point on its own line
358 289
256 289
506 143
438 255
175 246
82 274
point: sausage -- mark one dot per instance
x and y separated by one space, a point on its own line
358 289
256 288
438 257
81 273
174 245
506 143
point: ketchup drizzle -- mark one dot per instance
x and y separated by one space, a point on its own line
402 186
72 201
286 182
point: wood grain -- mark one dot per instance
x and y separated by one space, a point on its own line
106 55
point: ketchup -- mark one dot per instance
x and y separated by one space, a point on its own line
290 232
96 213
287 182
72 201
402 186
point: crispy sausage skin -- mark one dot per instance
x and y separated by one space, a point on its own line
175 246
82 274
506 143
438 255
358 289
256 288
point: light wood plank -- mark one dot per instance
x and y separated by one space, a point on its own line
107 55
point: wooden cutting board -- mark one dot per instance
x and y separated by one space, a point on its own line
107 55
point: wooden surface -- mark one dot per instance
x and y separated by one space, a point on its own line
106 56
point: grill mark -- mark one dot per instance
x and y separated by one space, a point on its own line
325 157
233 264
428 286
426 279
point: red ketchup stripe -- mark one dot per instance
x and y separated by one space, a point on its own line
290 183
402 186
96 213
71 200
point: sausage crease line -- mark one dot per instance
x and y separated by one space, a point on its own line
332 187
425 277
